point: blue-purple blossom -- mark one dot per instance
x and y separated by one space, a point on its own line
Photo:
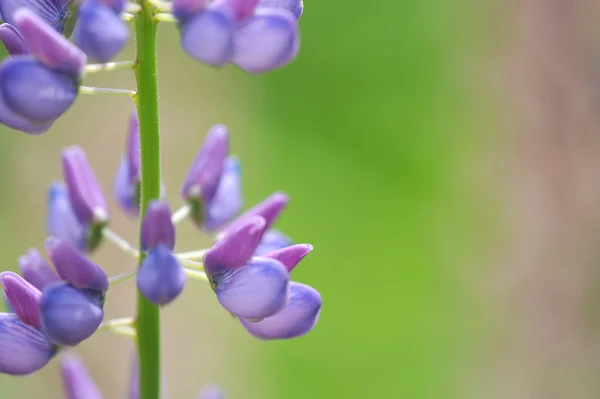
290 256
269 209
13 41
23 349
100 32
160 277
78 383
296 319
36 270
53 12
127 180
37 88
61 221
68 315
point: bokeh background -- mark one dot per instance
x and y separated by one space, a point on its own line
444 160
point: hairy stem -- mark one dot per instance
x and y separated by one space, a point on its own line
148 316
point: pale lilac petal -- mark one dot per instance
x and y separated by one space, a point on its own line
273 240
36 270
296 319
61 220
207 36
266 40
290 256
257 290
269 209
228 200
160 277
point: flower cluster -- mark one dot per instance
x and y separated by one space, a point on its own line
248 267
58 302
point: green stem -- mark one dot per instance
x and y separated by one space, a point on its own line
148 316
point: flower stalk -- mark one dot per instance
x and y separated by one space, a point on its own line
148 316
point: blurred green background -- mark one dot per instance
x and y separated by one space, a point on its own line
382 133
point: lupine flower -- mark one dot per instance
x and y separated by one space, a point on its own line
160 277
273 240
100 32
255 37
85 195
12 40
36 270
24 349
296 319
247 287
212 187
72 310
290 256
61 220
77 381
37 88
296 7
53 12
127 179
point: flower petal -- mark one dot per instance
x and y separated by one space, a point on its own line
273 240
77 381
61 220
51 11
160 277
207 36
227 201
23 349
36 270
269 209
12 39
235 248
257 290
266 40
68 315
157 227
296 319
294 6
290 256
23 297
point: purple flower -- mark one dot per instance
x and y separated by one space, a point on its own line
207 37
296 319
23 297
227 200
160 277
53 12
77 381
157 228
37 88
248 287
12 40
269 209
127 180
85 194
61 221
273 240
36 270
296 7
23 349
69 315
100 32
74 267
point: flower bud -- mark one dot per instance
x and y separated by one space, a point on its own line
68 315
157 228
290 256
12 40
205 173
160 277
267 40
272 240
77 381
235 248
23 349
85 192
36 270
61 221
74 267
127 180
257 290
227 201
23 297
296 319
